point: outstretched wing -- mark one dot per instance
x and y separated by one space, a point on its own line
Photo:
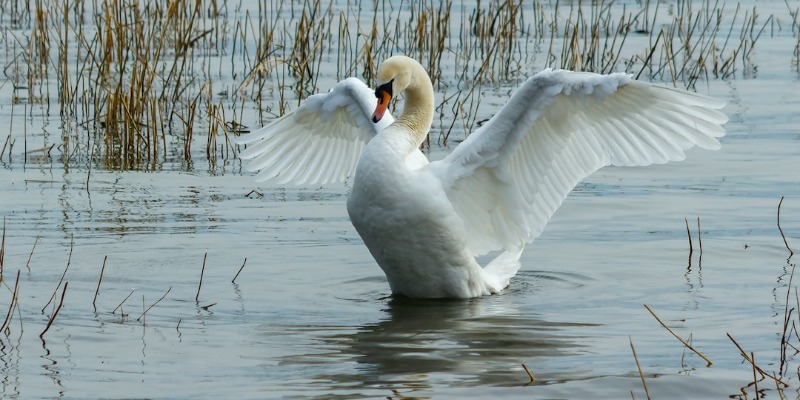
320 141
508 178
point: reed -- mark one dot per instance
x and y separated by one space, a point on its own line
153 305
684 342
119 306
786 333
785 242
99 281
761 372
239 271
530 375
639 368
11 306
755 380
699 243
2 250
134 80
200 284
689 235
55 312
793 13
63 274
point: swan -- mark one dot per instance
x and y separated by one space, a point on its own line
424 223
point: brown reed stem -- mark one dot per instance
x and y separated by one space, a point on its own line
787 317
53 316
688 346
689 234
123 301
780 391
69 260
28 264
240 271
2 249
202 272
750 360
11 306
639 367
699 238
153 305
97 291
755 379
785 243
527 371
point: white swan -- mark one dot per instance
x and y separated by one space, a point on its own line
424 223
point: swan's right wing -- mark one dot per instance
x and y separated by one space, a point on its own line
508 178
320 141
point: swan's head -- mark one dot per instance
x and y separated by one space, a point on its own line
394 76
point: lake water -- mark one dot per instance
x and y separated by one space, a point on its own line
310 314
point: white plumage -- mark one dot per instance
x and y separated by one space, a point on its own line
425 223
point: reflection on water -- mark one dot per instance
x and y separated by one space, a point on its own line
422 344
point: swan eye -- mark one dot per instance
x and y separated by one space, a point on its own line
385 88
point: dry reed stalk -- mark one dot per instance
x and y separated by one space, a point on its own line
699 240
785 243
154 304
128 72
2 249
689 235
683 352
69 260
688 346
780 391
587 44
12 305
124 67
527 371
122 302
755 380
639 367
100 280
787 316
240 269
796 31
200 285
55 312
750 360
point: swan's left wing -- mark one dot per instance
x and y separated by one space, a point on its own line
320 141
507 179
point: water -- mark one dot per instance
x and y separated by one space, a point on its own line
310 313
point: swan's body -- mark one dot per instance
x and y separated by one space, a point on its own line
425 223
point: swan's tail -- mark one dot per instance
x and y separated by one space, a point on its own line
499 271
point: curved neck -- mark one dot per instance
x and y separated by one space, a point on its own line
417 114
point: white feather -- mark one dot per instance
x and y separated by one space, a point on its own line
425 223
320 141
558 128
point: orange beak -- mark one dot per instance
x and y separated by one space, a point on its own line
383 104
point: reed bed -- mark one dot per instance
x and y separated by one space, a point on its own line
140 84
793 13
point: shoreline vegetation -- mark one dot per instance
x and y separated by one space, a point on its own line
134 85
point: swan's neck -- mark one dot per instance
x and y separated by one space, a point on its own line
417 114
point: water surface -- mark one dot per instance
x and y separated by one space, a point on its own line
310 314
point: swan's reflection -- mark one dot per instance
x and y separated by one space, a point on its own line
429 343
